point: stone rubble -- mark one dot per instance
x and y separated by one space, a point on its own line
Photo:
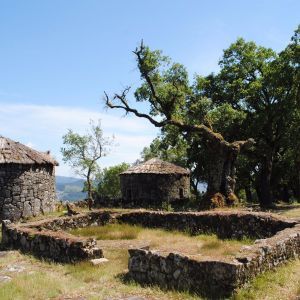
98 261
4 278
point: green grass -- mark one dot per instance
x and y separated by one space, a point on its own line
280 283
42 286
43 280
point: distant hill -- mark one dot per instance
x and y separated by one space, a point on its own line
69 188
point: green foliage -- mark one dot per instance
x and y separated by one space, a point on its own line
255 94
170 81
205 124
167 206
264 86
82 152
109 181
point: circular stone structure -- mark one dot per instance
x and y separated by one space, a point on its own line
154 182
27 181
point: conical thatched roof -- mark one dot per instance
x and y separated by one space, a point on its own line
17 153
156 166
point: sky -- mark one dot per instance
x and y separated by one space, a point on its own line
57 57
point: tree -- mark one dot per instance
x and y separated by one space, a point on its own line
265 86
165 87
189 151
109 181
82 153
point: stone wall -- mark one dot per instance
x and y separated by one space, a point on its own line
45 239
226 224
268 253
26 190
279 241
96 218
214 278
146 190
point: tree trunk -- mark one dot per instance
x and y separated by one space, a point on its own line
248 192
285 195
265 193
297 182
221 180
89 187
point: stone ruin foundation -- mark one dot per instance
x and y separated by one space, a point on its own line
278 240
47 238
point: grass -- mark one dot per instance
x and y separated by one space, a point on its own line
282 283
287 210
43 280
165 241
109 232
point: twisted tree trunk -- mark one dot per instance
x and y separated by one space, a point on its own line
221 179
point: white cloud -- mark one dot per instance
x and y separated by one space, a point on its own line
42 128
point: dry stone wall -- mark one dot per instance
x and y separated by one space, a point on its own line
26 190
226 224
46 239
278 241
77 221
214 278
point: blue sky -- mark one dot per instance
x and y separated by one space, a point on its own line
58 56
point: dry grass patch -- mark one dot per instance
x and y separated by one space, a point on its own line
290 211
109 232
166 241
199 245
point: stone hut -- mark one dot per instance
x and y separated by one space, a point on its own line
27 181
154 182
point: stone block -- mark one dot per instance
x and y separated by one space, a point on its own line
99 261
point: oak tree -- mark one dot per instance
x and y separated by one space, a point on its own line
166 88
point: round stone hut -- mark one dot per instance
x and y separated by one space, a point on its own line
154 182
27 181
